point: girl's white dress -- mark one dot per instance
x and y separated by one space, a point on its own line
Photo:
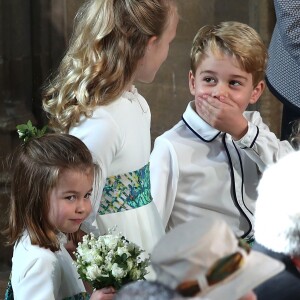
39 273
118 135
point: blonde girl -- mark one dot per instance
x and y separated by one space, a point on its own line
52 181
115 43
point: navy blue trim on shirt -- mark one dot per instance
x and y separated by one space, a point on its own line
231 173
242 170
197 134
257 132
234 190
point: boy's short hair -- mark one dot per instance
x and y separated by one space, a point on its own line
235 39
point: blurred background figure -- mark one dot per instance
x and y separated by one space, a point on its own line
203 259
147 290
277 226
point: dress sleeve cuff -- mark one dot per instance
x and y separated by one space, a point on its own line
248 140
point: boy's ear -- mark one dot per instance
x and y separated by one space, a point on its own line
192 83
257 91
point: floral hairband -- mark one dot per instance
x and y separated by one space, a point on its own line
28 131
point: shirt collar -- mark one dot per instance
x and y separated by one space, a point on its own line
197 125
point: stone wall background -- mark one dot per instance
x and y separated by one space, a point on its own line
34 35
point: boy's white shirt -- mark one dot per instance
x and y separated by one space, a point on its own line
39 273
184 170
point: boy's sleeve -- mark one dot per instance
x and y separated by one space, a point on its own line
164 177
260 144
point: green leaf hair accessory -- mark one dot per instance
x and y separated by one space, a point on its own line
28 131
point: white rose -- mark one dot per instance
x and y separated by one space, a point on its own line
82 248
97 259
92 272
90 256
118 272
123 250
111 241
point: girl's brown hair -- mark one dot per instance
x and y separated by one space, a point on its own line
36 166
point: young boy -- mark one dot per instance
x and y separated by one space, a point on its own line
210 162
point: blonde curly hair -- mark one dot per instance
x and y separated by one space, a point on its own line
109 38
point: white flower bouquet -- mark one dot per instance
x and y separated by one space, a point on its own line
109 260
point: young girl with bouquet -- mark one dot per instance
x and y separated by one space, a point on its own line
52 182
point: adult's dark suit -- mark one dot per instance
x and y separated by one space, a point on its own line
283 75
283 286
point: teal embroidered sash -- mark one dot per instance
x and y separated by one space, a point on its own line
127 191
